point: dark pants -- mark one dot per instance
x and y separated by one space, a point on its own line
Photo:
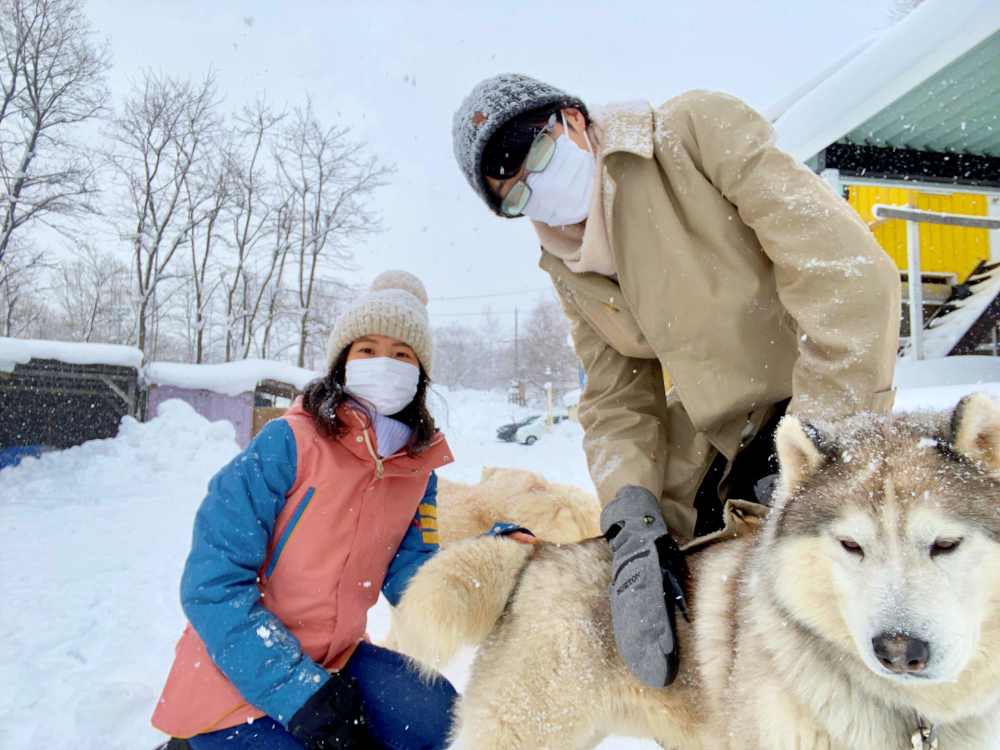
403 711
755 461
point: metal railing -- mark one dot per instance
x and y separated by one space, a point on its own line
913 218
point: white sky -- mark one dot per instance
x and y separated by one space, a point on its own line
398 70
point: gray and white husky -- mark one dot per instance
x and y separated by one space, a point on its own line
862 614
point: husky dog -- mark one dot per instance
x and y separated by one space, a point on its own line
555 512
864 614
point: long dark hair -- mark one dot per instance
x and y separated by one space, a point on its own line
323 396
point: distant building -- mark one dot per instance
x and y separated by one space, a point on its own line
912 117
247 392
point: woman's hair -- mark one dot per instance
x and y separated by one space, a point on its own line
323 396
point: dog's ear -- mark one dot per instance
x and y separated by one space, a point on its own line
799 454
975 430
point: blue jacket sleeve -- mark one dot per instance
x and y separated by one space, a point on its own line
219 593
417 547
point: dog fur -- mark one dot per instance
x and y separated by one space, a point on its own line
554 512
779 652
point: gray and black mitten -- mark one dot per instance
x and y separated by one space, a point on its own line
648 574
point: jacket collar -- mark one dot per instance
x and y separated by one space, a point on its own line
436 455
627 128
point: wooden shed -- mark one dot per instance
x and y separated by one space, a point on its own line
247 393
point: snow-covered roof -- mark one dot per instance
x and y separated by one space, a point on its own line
230 378
21 351
881 71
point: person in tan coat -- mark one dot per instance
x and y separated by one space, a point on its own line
712 283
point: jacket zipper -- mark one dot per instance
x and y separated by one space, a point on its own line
379 461
379 464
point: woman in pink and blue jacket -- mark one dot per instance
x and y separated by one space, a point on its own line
330 504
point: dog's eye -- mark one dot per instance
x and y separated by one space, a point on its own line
852 546
944 546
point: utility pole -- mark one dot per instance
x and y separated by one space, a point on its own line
517 358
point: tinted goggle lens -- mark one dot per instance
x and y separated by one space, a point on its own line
514 202
540 153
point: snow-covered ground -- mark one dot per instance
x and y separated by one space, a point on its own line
94 538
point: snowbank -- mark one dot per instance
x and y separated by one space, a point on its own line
230 378
95 540
21 351
947 371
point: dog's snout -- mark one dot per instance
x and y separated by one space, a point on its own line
901 654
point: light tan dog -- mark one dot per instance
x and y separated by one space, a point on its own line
557 513
863 615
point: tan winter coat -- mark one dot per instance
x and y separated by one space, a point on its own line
742 275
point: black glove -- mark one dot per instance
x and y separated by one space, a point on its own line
332 719
648 579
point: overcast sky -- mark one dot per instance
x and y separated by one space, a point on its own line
396 71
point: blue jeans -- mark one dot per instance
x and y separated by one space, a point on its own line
403 711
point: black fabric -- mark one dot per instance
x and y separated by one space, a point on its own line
332 719
750 477
508 148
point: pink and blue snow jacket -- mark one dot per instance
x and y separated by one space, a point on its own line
291 546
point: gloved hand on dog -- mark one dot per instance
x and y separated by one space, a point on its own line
648 575
332 718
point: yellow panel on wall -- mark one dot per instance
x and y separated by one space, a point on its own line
943 249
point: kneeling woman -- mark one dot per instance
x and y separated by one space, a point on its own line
329 504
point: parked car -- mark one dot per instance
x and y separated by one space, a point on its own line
528 430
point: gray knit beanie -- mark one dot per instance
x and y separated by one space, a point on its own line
394 306
493 103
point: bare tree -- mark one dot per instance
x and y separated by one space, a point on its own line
273 291
20 280
52 79
207 193
459 352
252 222
159 139
93 297
546 354
329 180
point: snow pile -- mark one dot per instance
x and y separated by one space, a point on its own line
230 378
95 540
21 351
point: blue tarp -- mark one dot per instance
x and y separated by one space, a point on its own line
13 456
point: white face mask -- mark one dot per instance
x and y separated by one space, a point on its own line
387 384
560 193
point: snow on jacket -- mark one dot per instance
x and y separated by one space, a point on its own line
742 274
291 546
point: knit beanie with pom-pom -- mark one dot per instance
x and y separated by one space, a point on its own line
394 306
